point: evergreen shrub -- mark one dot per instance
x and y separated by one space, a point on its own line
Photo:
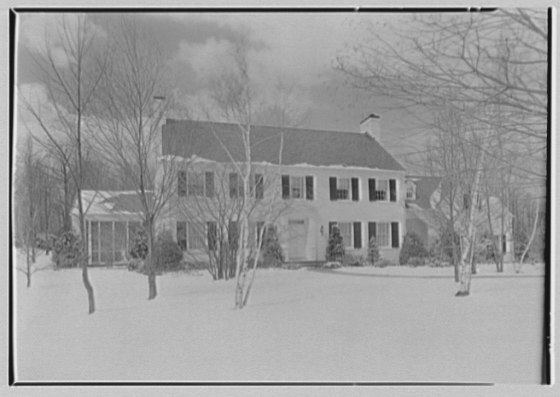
67 250
412 247
335 246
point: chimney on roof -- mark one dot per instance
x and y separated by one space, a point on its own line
370 126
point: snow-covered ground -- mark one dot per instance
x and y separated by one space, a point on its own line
396 324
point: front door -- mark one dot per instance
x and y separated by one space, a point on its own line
297 232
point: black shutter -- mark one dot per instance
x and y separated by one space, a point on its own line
355 191
466 201
209 184
241 186
395 234
285 186
357 234
212 235
182 235
233 185
182 183
392 190
332 188
331 227
372 230
259 186
371 183
309 187
233 235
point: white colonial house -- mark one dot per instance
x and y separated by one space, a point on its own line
316 179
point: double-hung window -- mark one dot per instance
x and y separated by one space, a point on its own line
195 184
386 234
190 235
297 187
343 189
383 237
410 191
382 189
195 235
346 233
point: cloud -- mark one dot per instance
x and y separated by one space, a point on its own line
205 58
41 32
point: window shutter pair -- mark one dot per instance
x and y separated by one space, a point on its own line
354 188
392 189
286 187
357 226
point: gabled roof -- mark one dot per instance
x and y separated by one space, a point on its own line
205 139
425 187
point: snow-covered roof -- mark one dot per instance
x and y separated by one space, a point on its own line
208 140
110 203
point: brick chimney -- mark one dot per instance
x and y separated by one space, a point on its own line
370 126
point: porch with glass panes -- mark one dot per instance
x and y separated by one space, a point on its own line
109 242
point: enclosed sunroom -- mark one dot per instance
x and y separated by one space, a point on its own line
112 218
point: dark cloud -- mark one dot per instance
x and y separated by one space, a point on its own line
168 31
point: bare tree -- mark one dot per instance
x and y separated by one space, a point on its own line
127 129
213 206
239 100
26 206
466 62
71 84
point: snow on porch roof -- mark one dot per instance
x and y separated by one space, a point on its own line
187 138
110 202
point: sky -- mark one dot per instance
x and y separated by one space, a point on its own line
298 49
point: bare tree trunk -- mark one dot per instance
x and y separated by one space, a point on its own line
468 241
533 233
497 256
255 264
150 260
473 260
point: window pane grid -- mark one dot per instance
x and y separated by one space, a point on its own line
343 188
346 233
195 184
296 184
381 190
195 236
382 235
